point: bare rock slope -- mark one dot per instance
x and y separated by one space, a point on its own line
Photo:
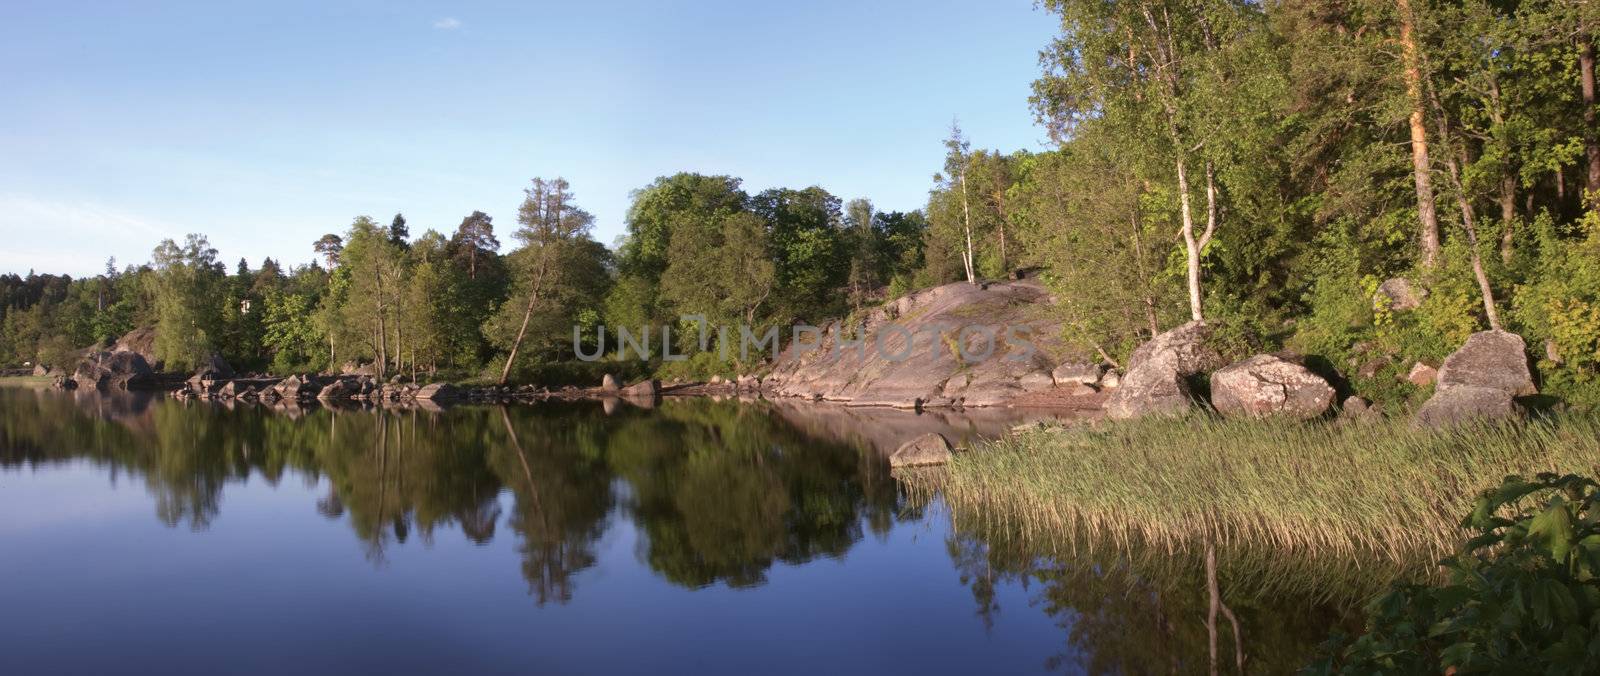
912 353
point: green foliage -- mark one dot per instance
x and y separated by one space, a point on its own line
184 284
1560 303
294 342
1523 594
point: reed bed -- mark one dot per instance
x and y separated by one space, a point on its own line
1378 494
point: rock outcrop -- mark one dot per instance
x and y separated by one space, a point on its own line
141 341
1156 382
115 371
1480 381
1267 385
928 449
954 345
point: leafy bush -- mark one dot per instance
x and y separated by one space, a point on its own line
1560 303
1522 595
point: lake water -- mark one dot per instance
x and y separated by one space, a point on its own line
147 534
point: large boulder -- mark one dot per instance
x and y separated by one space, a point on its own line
295 388
1266 385
1155 383
341 388
438 392
115 370
1147 392
1187 349
1480 381
1495 359
1466 403
609 383
928 449
142 341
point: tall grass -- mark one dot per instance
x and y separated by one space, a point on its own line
1352 493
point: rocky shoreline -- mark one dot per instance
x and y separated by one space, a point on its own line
1484 379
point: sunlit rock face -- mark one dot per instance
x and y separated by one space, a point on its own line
1480 381
1155 383
954 345
1266 385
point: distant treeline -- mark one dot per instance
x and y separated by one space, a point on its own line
1265 166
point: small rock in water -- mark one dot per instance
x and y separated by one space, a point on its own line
928 449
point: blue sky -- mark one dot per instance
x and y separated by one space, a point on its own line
265 125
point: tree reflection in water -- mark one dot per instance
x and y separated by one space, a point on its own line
718 493
1129 610
721 491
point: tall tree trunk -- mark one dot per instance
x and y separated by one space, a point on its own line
1427 215
1191 242
966 215
1591 138
1508 216
1454 163
383 332
527 314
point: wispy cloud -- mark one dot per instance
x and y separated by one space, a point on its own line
448 23
37 234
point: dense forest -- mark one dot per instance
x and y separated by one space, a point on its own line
1265 166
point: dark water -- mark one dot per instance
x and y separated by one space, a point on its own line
152 535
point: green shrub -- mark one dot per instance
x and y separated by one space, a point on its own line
1560 303
1522 596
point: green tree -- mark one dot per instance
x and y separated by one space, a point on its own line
184 283
554 233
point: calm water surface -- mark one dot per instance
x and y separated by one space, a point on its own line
148 534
